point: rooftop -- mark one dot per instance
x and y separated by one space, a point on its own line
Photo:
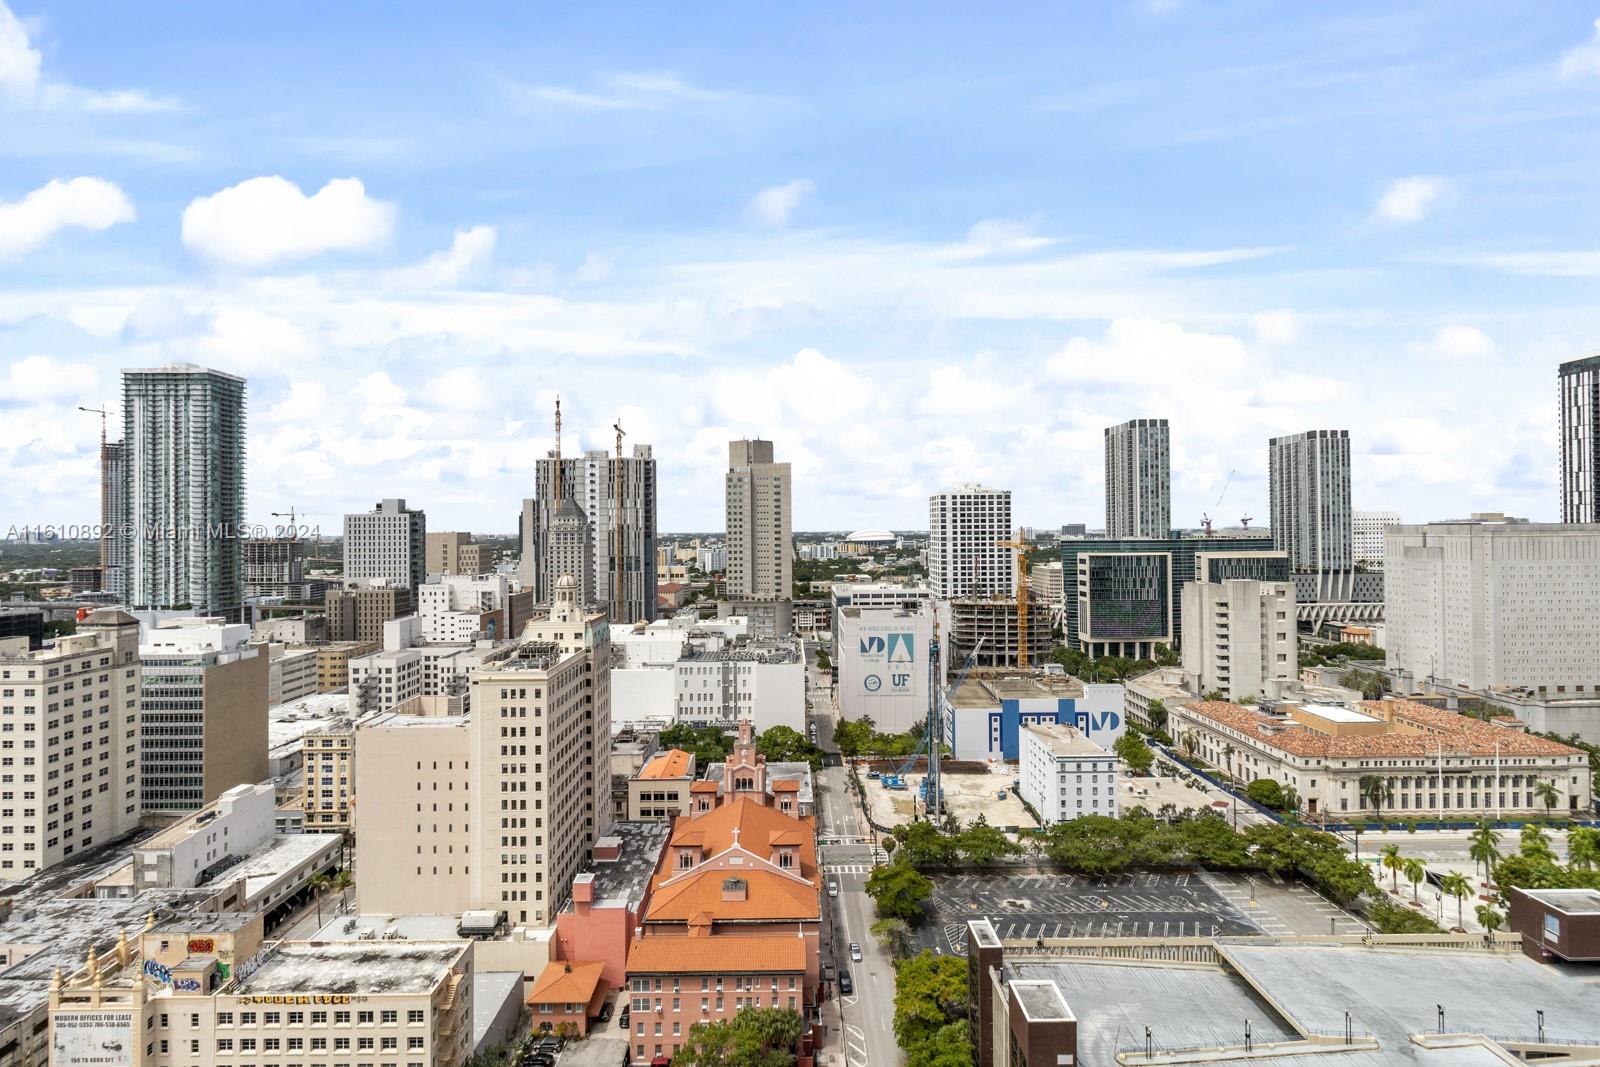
390 928
369 967
987 688
668 954
745 653
293 719
286 852
1063 740
1570 901
783 771
622 881
566 982
673 763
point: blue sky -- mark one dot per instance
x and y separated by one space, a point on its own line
913 244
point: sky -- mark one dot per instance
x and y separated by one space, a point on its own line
912 244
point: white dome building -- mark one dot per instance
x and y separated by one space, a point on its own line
863 542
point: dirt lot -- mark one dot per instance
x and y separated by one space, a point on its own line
966 797
1159 791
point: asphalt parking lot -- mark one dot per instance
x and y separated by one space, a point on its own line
1130 904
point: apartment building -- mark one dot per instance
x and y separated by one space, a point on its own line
387 543
660 791
328 763
1578 383
1431 763
1366 536
965 528
1063 774
69 776
333 661
1309 491
1138 479
407 667
453 552
498 808
359 610
202 713
760 523
616 502
1242 637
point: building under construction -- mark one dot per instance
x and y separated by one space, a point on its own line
991 626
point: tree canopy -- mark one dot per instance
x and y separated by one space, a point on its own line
710 744
755 1037
930 1010
782 744
899 890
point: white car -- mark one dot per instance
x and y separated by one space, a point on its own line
833 889
855 952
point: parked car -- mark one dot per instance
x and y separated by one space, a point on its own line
855 951
605 1012
550 1044
622 1018
833 888
846 987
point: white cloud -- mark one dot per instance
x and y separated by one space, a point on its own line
1584 60
772 207
1456 342
1275 327
471 249
22 79
1408 199
39 378
636 91
1146 352
264 220
85 203
594 268
992 237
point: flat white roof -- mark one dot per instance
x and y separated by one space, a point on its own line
1336 713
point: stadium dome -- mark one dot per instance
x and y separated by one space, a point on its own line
871 537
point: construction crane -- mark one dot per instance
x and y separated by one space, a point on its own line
1246 521
932 791
1020 547
294 531
102 413
1205 517
617 476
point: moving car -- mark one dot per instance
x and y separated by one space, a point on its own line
846 987
855 951
833 888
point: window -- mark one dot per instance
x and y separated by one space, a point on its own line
414 1016
390 1017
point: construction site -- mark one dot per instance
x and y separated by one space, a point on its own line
969 790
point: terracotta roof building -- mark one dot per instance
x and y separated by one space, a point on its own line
567 993
1431 763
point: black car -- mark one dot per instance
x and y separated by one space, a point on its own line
605 1012
846 987
622 1018
550 1044
538 1059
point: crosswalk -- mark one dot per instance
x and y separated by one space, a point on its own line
847 868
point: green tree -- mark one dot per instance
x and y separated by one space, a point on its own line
1488 918
755 1037
1535 842
1166 657
930 1010
922 844
1266 792
1374 789
1484 847
319 884
899 891
983 846
1415 872
1157 714
1455 884
342 881
1547 792
1227 753
1392 862
1134 753
894 935
1583 848
710 744
783 744
1388 917
853 736
823 661
1368 683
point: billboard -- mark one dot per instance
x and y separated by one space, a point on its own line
91 1039
888 658
882 658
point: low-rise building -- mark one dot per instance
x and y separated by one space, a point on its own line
1148 698
983 715
358 611
1063 774
661 788
469 607
1400 757
408 667
602 913
333 662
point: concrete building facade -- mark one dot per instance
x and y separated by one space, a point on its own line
388 543
1485 604
183 454
593 488
760 523
882 657
1309 489
85 686
360 611
1578 383
1366 536
965 528
1064 775
1138 479
454 552
1242 636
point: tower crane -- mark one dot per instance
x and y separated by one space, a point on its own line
294 531
1205 517
102 413
1020 546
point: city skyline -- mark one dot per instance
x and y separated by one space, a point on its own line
379 269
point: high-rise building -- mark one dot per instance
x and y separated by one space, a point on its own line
113 513
1242 636
1309 484
1579 383
1483 603
1138 479
454 552
203 713
389 542
94 797
590 488
965 528
511 796
760 523
276 567
1366 535
184 475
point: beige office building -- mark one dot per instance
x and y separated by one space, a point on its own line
357 613
454 552
496 809
333 661
1240 636
760 519
69 763
329 766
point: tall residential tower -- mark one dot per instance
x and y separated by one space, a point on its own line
389 543
184 489
1138 479
965 528
1580 445
1309 483
760 523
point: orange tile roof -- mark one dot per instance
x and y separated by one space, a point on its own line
1458 734
566 983
724 954
790 838
769 896
703 787
673 763
755 823
786 785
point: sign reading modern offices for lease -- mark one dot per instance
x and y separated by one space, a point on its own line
91 1039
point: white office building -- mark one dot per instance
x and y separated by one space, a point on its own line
407 667
1485 603
1138 479
965 528
882 656
1366 536
388 542
1240 636
1064 775
760 523
457 607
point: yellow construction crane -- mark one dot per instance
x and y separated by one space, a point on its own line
1020 546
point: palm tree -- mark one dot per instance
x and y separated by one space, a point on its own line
1188 741
1291 801
1415 873
1157 714
1485 847
319 884
342 881
1546 791
1375 789
1535 842
1489 918
1227 754
1455 884
1393 862
1583 847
